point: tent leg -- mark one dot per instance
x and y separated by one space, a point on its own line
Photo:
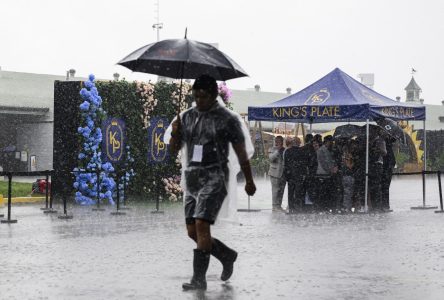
366 165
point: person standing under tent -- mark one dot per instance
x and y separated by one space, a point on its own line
276 171
295 170
389 163
326 169
377 151
312 166
205 132
348 169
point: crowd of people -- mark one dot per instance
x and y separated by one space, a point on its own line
330 173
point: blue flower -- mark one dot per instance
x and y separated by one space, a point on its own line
90 124
91 77
88 84
84 105
84 93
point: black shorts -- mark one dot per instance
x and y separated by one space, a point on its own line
205 193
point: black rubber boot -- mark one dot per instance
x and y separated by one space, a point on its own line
226 256
200 267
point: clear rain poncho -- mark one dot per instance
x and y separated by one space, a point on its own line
228 211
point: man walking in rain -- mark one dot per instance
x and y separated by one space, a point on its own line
205 133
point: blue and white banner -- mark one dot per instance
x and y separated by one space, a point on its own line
113 140
157 149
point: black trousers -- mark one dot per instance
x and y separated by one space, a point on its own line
296 194
326 193
375 180
310 187
385 187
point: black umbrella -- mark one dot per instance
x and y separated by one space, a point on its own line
374 131
392 128
347 131
183 58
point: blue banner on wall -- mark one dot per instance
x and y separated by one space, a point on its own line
157 149
113 140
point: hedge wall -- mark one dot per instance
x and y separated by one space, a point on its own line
135 103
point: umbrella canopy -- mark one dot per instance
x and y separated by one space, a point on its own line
392 128
347 131
183 58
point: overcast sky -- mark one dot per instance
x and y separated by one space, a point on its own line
279 43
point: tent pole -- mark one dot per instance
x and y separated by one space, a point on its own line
366 165
424 167
272 131
311 123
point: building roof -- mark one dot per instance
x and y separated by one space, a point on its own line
412 85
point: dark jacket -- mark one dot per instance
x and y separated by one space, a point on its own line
295 163
312 160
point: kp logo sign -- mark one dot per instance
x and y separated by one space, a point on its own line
157 149
113 140
318 97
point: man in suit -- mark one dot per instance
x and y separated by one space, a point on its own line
275 172
327 169
295 170
312 166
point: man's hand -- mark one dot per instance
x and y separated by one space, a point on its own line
176 136
250 188
176 130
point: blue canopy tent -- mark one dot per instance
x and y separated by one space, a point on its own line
337 97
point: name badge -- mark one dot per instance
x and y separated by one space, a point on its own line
197 153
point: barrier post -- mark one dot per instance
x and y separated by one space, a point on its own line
65 215
50 210
157 191
46 195
9 220
117 212
440 193
124 207
98 208
424 206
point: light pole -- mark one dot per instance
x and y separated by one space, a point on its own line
158 25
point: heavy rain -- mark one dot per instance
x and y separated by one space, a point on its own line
253 150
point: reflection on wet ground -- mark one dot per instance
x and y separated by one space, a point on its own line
140 255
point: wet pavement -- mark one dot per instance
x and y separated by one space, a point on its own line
398 255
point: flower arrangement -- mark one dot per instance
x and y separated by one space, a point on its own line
186 91
225 93
145 92
91 170
172 188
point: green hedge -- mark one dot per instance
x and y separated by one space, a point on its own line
121 99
